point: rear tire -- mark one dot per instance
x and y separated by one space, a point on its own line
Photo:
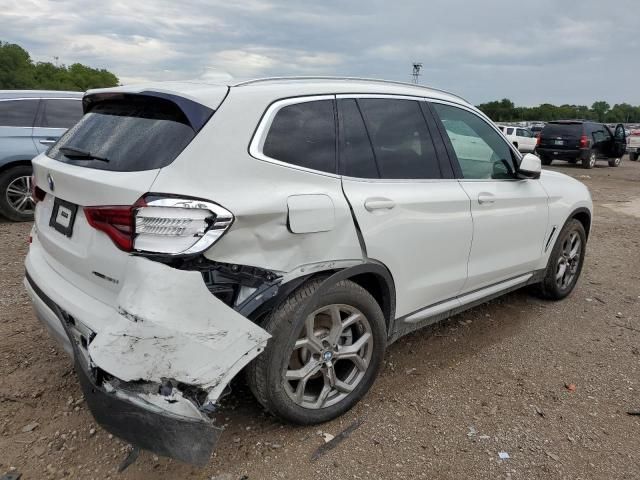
615 162
304 345
16 203
565 262
590 161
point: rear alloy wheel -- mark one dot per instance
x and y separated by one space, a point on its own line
318 364
590 161
565 261
615 162
16 202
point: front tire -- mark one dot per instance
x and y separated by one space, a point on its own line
565 262
15 194
323 357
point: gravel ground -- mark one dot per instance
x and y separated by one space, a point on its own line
548 383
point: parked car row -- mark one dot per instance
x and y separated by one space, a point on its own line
30 122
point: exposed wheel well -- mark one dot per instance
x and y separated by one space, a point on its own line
379 290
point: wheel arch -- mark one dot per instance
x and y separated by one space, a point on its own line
583 215
374 277
14 163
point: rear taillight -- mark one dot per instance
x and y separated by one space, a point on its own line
37 194
584 141
117 222
538 140
162 225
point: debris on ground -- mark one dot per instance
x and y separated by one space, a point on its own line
539 411
30 427
552 456
633 412
334 442
570 386
503 455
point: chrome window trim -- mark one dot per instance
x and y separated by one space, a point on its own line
260 135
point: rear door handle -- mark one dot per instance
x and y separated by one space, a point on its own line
485 198
372 204
48 141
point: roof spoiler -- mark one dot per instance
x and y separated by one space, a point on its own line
197 114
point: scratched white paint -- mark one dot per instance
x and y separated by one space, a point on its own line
183 332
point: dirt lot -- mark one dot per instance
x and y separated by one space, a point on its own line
498 378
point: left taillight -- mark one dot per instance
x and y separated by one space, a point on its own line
37 194
162 225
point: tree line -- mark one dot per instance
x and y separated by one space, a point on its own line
18 71
505 111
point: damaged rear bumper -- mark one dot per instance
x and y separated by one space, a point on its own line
128 416
154 364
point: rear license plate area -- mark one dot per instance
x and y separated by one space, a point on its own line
63 216
558 142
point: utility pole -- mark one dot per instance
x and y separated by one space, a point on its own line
56 59
417 66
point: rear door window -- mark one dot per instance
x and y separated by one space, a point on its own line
60 113
126 135
356 154
18 113
304 134
401 140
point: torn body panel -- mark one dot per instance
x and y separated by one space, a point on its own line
153 366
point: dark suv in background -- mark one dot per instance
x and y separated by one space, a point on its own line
30 121
584 141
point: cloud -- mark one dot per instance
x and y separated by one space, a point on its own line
546 51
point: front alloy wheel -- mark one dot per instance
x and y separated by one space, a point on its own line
568 261
565 262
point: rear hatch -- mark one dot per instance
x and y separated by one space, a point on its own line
111 157
561 136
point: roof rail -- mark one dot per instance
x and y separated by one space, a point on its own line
357 79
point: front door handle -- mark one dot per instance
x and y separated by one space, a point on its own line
48 141
485 198
372 204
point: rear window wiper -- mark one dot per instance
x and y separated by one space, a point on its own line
73 152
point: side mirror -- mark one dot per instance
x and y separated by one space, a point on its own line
530 166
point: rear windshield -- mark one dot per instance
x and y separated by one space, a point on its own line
126 136
572 129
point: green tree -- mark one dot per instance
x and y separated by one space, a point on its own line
18 71
600 109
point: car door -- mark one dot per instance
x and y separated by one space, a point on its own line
618 142
55 116
16 128
510 215
526 143
414 217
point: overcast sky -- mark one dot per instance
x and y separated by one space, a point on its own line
558 51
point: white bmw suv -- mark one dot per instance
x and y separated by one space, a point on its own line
287 228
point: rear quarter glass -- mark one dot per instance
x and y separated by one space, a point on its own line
134 133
